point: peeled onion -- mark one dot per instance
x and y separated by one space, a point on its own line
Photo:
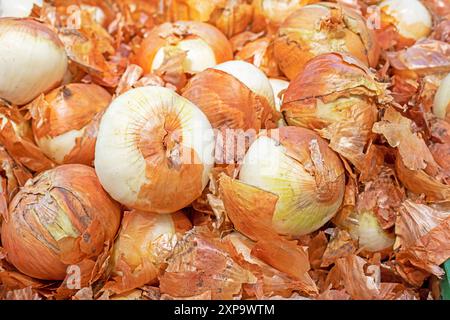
441 106
320 28
234 94
65 122
307 176
61 217
204 46
17 8
410 18
154 150
33 59
278 86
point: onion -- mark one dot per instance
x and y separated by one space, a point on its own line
410 19
17 8
441 105
33 60
144 242
336 95
65 122
278 86
307 176
234 94
320 28
203 45
154 150
229 16
62 217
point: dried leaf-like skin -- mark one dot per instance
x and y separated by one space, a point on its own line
322 28
201 263
59 218
22 294
170 34
340 246
336 96
228 103
229 16
71 112
144 242
424 240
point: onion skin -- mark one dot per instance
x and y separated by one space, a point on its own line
320 28
24 74
74 109
154 150
298 166
172 34
335 95
61 217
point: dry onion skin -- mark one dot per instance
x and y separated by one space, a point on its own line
234 94
409 18
229 16
320 28
33 59
65 122
201 45
337 96
59 218
154 150
441 105
307 176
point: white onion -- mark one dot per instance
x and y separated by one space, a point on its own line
441 103
17 8
33 60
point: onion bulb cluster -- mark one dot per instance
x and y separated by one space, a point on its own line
65 122
307 176
33 59
321 28
234 94
154 150
200 45
59 218
441 105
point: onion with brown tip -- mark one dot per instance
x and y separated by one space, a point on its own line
320 28
60 218
65 122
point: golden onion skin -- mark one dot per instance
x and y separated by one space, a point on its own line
65 122
320 28
61 217
307 176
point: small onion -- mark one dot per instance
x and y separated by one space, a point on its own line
65 122
441 105
61 217
335 95
278 86
229 16
33 60
234 94
410 18
298 166
17 8
154 150
204 45
320 28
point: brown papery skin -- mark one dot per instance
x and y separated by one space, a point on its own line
227 102
168 34
70 192
298 41
71 107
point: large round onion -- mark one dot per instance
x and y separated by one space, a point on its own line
410 18
203 44
33 59
65 122
229 16
306 175
154 150
320 28
61 217
234 94
441 106
335 95
17 8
